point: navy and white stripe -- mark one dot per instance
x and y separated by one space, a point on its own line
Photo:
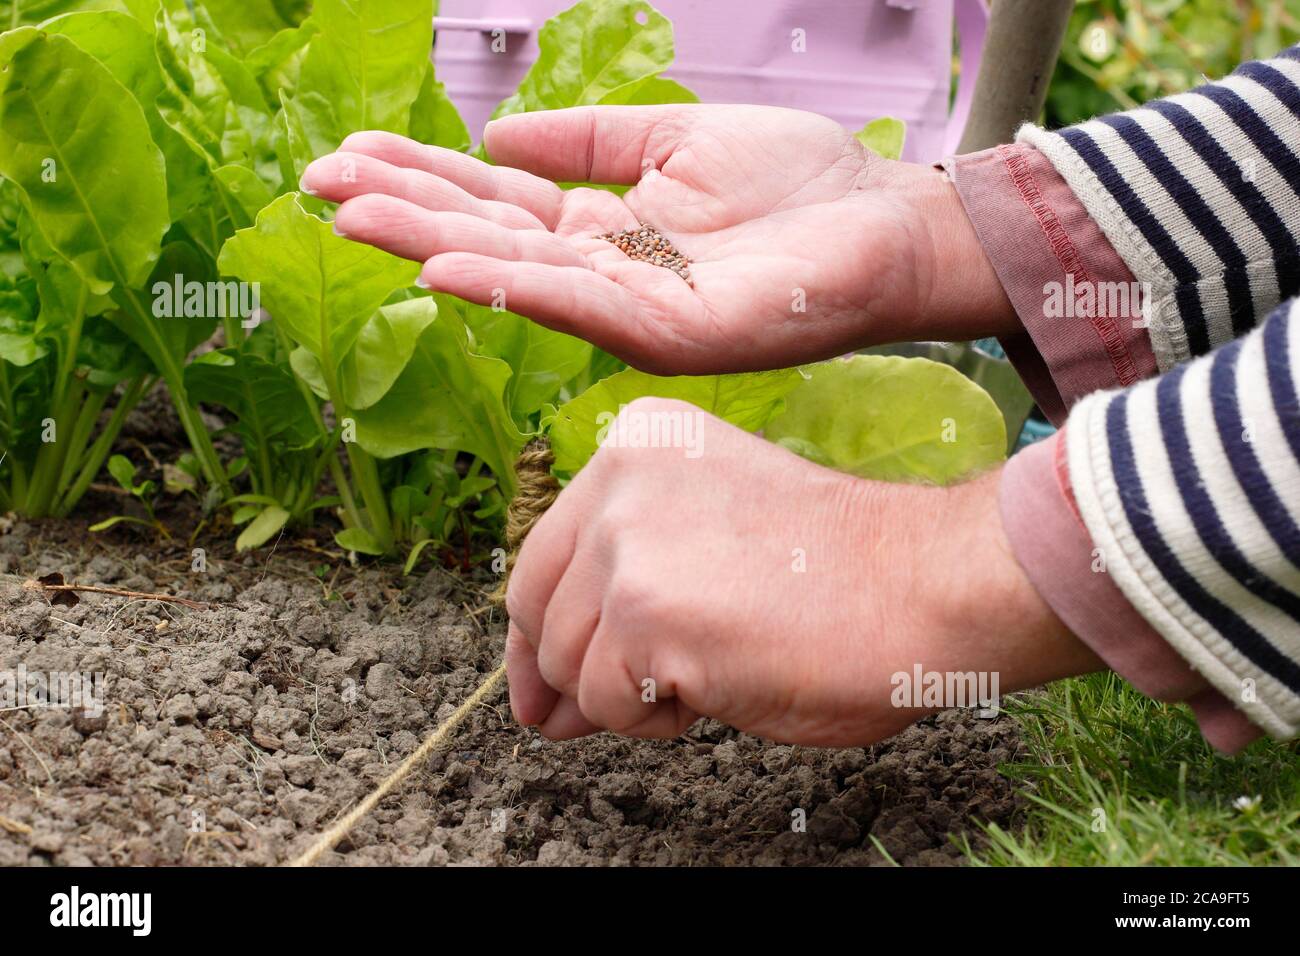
1200 195
1190 486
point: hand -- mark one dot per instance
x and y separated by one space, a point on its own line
771 205
652 565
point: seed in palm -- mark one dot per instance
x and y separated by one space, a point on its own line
645 243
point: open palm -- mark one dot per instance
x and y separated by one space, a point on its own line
802 244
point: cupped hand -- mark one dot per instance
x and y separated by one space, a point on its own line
803 244
737 581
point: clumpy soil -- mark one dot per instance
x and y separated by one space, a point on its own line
236 734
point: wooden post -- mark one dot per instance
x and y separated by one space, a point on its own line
1020 53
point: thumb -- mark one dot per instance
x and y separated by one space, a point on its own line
596 144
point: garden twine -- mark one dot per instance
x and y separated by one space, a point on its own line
537 490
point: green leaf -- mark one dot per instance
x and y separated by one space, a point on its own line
116 520
125 47
262 395
119 42
19 344
414 555
651 92
245 513
62 294
892 419
593 51
268 522
434 118
884 136
104 208
747 400
248 129
108 355
248 193
542 360
16 13
447 397
359 540
365 66
246 26
277 63
193 99
996 376
382 350
166 338
293 143
321 288
123 472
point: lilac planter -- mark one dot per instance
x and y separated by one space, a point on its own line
863 58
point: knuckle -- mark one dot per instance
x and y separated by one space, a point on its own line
633 595
619 515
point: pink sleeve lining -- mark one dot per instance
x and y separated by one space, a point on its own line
1079 304
1056 266
1056 553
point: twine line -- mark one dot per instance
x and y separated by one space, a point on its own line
537 491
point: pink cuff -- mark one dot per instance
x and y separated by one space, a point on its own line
1057 554
1078 302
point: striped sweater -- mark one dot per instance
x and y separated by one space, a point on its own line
1189 483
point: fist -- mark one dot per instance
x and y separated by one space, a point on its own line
716 574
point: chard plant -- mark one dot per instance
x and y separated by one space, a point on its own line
59 369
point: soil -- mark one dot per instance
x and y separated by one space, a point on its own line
236 734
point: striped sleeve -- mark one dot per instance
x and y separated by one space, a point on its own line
1189 485
1199 193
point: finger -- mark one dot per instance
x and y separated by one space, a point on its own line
412 232
590 144
592 212
614 695
566 722
531 698
543 558
667 719
340 177
568 299
572 616
503 184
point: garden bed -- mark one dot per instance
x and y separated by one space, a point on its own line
240 713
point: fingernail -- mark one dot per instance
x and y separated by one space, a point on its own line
339 232
302 185
420 283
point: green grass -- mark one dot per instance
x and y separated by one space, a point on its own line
1117 779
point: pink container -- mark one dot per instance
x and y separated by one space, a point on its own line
862 58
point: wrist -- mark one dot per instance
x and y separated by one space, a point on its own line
995 619
960 295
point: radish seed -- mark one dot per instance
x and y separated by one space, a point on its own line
647 244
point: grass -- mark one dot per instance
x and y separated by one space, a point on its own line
1117 779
